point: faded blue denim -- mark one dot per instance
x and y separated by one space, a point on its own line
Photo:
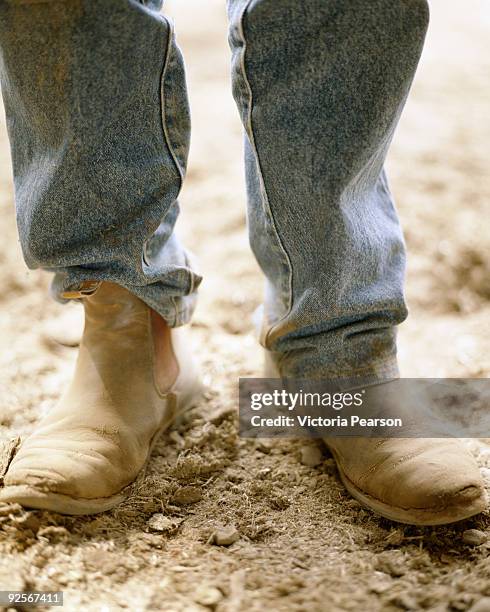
98 120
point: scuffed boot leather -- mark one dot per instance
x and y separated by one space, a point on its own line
131 381
427 481
419 481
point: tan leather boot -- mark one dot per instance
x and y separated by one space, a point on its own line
419 481
427 481
132 379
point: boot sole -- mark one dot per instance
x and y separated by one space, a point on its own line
31 497
414 516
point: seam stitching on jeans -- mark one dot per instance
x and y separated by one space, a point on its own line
166 134
265 198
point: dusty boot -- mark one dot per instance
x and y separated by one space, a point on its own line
419 481
131 381
416 481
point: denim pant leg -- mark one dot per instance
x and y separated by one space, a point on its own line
98 120
320 85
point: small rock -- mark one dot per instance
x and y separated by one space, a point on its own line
264 446
149 540
474 537
162 523
311 456
380 583
208 596
187 495
482 605
224 536
403 601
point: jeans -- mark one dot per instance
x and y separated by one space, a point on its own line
98 121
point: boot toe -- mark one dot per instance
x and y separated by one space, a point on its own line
426 482
56 475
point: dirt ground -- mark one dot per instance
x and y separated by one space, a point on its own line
303 544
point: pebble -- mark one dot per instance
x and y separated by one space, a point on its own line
160 522
380 586
208 596
311 456
403 601
474 537
225 536
264 446
187 495
482 605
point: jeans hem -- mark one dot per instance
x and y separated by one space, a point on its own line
175 310
371 373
